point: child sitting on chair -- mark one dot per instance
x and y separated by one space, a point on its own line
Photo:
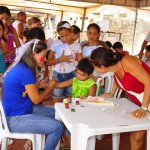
146 57
82 84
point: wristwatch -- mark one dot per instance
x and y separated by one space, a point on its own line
144 108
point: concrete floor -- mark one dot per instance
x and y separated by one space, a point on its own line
104 144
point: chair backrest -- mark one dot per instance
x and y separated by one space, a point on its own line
3 122
118 93
108 78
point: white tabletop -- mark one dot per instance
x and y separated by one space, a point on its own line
93 120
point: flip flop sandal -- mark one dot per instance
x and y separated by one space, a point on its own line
28 145
63 147
66 148
9 142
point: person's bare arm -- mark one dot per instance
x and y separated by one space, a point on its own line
20 30
34 94
142 49
78 57
92 90
4 48
133 66
111 94
17 42
64 84
51 58
1 75
53 61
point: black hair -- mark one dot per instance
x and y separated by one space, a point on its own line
148 48
59 28
26 32
117 45
35 20
75 29
36 33
85 66
21 13
4 9
94 25
103 56
109 44
1 23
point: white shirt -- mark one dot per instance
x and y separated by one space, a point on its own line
65 67
148 37
49 43
15 25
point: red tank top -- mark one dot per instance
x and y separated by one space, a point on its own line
130 83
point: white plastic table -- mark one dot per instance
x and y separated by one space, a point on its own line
91 120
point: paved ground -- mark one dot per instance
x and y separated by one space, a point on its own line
105 144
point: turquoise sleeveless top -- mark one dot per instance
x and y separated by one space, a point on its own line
81 88
2 63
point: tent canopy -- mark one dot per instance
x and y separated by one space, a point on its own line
77 6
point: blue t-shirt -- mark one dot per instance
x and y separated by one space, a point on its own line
15 99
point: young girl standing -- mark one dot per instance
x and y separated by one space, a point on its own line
93 34
2 61
10 35
64 54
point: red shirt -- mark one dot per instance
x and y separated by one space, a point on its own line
130 83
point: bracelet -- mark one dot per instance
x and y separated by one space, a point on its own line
144 108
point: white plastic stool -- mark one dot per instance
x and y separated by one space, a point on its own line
38 140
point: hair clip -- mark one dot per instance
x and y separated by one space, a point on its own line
35 42
114 56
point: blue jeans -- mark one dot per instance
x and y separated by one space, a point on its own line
42 121
60 77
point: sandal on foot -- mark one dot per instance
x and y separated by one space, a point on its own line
10 142
28 145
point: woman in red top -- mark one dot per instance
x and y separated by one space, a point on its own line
133 76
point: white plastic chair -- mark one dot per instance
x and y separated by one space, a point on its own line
38 140
109 80
108 77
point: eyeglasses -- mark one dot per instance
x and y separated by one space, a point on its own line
96 64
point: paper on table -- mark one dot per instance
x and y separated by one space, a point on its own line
98 101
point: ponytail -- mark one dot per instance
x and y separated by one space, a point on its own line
105 57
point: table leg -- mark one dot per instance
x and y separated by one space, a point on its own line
57 116
79 137
91 143
115 141
4 143
148 139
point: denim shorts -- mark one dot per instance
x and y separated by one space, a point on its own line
60 77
